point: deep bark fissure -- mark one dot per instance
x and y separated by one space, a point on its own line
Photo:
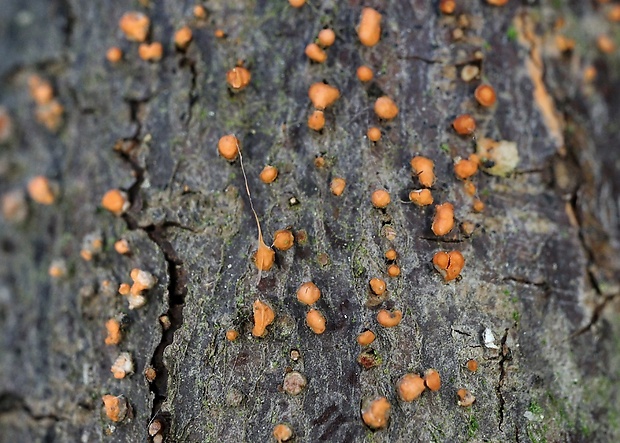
505 356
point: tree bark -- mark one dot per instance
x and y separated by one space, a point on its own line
536 304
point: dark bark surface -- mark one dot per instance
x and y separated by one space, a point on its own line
541 266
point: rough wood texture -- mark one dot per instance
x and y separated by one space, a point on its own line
541 266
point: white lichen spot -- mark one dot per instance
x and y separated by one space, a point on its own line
498 158
489 339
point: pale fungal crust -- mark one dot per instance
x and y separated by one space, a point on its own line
14 206
376 412
123 365
465 398
501 156
294 383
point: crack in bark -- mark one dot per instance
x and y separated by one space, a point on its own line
177 287
505 356
12 402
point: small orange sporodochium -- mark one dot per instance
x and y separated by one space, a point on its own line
319 161
327 37
423 168
308 293
297 3
315 53
135 26
122 246
389 319
316 121
200 12
268 174
151 52
465 398
364 73
113 326
183 37
449 264
497 2
238 78
316 321
614 13
263 317
468 228
366 337
142 280
410 387
323 95
57 269
432 380
377 286
42 190
264 256
115 201
283 239
124 288
385 108
421 197
393 270
380 198
464 124
478 205
114 54
115 407
391 254
443 222
219 33
447 6
227 146
485 94
472 365
40 90
470 188
374 134
337 186
50 114
282 432
465 168
605 44
232 335
376 412
369 29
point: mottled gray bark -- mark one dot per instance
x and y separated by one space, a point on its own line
541 266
